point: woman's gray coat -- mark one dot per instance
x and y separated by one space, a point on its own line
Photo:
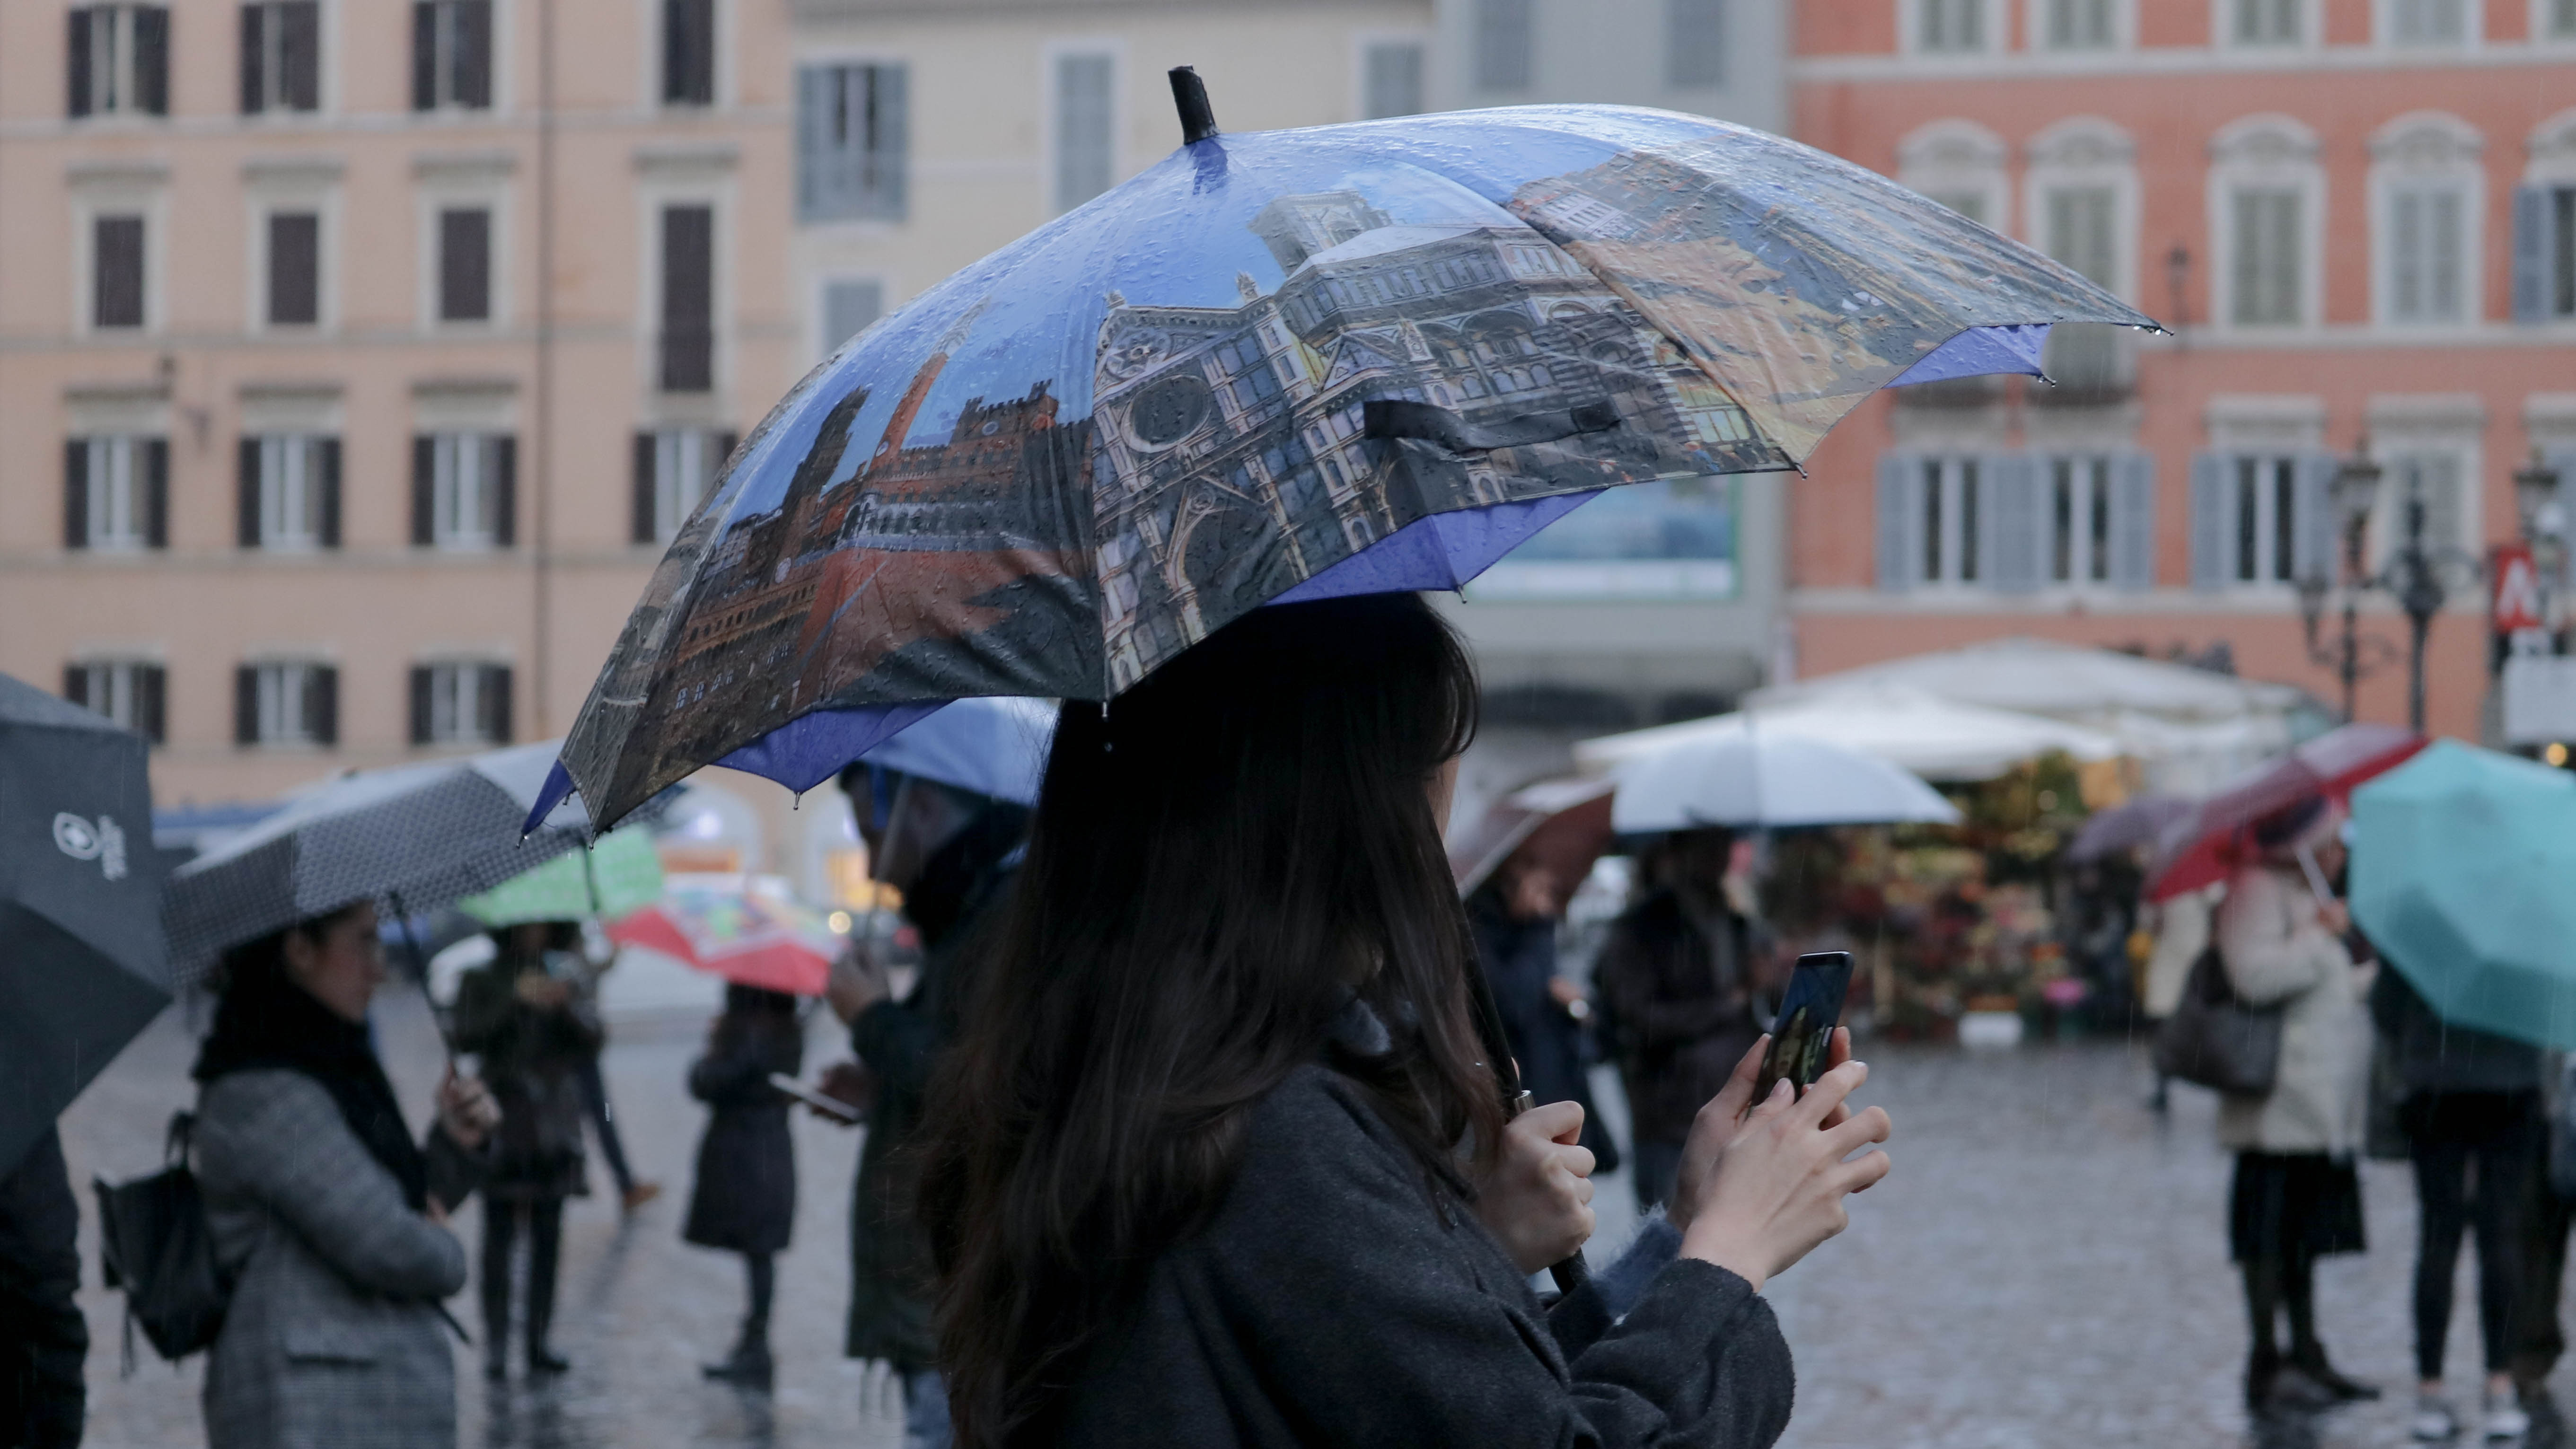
333 1339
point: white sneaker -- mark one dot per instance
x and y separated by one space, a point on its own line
2433 1419
2505 1418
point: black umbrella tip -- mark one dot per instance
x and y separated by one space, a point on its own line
1190 98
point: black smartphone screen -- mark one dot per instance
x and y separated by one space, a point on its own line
1804 1030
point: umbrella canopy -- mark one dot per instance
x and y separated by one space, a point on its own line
1752 778
746 929
1565 823
2062 681
427 834
618 875
1934 738
83 965
1280 366
2202 846
994 747
2464 878
2124 827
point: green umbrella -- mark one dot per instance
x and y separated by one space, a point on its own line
618 876
2464 877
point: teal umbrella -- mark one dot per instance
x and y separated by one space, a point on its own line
2464 877
619 875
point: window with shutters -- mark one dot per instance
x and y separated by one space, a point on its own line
281 56
132 692
1959 164
464 236
2427 184
1694 43
2267 208
1501 45
1951 27
464 496
116 493
852 122
1949 502
674 468
1085 127
118 60
688 336
2263 520
2078 24
2427 24
294 272
1390 79
688 52
2436 474
290 492
287 704
460 703
847 307
2079 520
2559 269
116 271
2266 22
451 55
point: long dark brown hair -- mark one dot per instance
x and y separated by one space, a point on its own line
1220 858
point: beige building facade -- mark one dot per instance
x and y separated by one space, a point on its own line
355 358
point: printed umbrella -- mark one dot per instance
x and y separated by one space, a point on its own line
2207 842
83 965
746 929
1280 366
2464 877
618 875
420 835
1753 778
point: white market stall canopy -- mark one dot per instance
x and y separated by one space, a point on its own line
1935 738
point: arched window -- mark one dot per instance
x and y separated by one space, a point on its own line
2267 200
2427 192
2082 203
1959 164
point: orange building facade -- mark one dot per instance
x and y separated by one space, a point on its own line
2358 217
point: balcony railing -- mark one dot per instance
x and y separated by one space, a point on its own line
2092 365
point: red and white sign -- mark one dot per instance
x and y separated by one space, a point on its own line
2516 601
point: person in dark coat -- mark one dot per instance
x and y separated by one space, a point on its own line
1514 915
43 1338
1219 1154
2471 1112
745 1200
1675 981
523 1016
951 852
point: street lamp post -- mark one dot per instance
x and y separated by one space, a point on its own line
2535 492
2355 489
2421 595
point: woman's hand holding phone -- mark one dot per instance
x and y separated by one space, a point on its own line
1756 1193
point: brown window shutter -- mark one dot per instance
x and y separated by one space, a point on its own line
152 58
76 684
294 268
322 704
424 490
116 271
326 455
424 55
246 705
246 513
156 492
688 298
504 475
299 54
151 702
493 696
648 529
76 493
473 53
688 52
420 686
464 265
254 57
76 63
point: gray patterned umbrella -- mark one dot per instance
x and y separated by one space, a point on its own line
82 964
425 835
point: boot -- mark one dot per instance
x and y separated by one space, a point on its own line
2262 1368
749 1366
2310 1359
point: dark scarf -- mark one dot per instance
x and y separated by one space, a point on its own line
968 871
267 1023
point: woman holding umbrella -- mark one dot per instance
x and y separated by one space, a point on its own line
1218 1156
328 1217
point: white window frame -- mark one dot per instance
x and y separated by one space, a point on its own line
461 183
120 190
2090 479
648 86
456 701
504 20
2268 152
2265 470
463 518
1051 86
686 178
326 90
267 201
282 686
117 67
2124 30
2385 15
1367 42
2084 153
115 476
1952 158
2421 151
685 463
1990 29
910 157
114 691
290 484
1949 496
2400 455
2222 30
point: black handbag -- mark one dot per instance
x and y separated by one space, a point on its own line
155 1244
2214 1039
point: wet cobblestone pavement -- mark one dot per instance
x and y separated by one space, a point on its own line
2047 1267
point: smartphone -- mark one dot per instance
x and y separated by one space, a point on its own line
813 1098
1804 1030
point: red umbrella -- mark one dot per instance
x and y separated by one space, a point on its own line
736 929
2203 846
1563 823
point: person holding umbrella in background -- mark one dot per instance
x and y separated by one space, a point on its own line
519 1014
1514 916
745 1199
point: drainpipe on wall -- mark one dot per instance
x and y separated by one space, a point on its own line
541 406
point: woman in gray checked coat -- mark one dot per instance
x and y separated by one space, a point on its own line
327 1217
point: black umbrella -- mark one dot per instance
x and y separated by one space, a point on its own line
83 965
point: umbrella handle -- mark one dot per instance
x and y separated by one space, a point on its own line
1572 1273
